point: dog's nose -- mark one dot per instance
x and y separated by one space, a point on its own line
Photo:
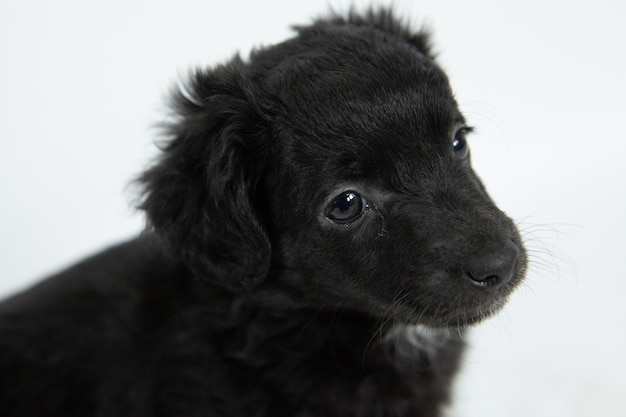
492 267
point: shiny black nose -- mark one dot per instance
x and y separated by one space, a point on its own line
492 266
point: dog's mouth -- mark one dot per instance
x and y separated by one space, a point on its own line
471 295
452 303
455 318
465 309
468 319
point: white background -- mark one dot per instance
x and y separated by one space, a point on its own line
543 82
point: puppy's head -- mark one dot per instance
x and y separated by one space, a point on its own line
335 169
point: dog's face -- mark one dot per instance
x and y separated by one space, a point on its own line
344 176
379 208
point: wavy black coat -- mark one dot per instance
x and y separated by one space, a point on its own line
318 242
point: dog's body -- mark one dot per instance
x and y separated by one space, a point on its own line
318 242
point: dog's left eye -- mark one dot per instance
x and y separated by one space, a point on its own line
347 207
459 143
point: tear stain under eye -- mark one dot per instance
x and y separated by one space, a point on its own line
383 230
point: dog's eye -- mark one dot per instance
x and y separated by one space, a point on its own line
459 143
347 207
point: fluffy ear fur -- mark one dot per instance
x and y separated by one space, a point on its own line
199 194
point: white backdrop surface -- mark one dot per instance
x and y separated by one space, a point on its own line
543 82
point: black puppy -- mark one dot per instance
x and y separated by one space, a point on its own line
318 243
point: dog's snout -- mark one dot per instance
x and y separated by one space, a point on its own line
492 267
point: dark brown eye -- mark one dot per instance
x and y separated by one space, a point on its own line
347 207
459 143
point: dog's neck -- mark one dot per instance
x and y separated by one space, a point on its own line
338 330
331 350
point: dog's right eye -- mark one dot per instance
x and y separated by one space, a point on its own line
347 207
459 142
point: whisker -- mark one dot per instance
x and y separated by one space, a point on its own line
542 246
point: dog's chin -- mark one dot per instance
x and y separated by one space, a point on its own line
469 320
457 318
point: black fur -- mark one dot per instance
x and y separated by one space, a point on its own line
262 288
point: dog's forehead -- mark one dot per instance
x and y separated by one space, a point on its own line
336 87
361 103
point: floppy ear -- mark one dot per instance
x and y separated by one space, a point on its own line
199 194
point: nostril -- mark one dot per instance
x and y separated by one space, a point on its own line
489 281
493 267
